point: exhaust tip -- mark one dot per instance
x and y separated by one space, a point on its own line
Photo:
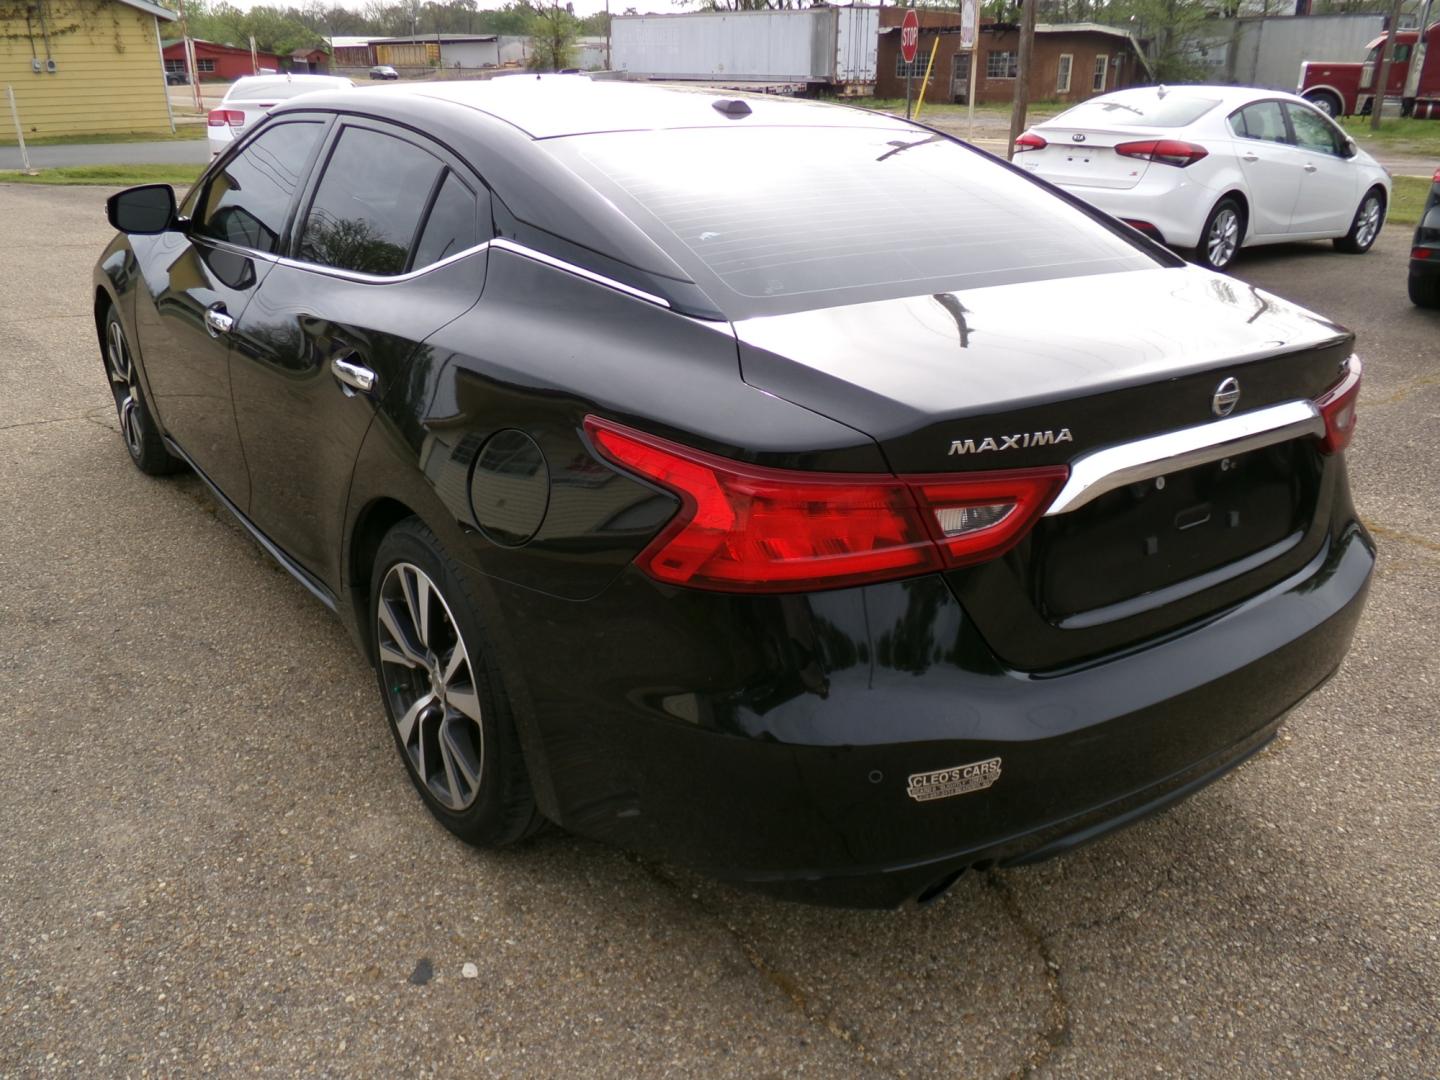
938 887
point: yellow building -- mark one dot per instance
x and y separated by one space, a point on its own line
83 66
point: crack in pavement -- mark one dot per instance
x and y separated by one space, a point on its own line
1405 390
819 1012
56 420
1388 533
1057 1034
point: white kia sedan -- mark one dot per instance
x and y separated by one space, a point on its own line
1214 168
253 96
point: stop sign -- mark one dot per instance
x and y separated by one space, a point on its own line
909 36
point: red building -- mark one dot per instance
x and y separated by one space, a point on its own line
1070 61
216 62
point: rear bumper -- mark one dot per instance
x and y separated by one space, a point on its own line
1171 204
219 139
771 741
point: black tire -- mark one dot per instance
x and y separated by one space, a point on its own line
137 427
1222 235
480 759
1364 229
1424 289
1326 102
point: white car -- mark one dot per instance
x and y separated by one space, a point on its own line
1214 168
252 96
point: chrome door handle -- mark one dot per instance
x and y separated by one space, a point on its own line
1249 157
218 321
352 374
1309 168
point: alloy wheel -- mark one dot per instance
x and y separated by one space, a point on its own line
1224 237
430 682
122 379
1368 224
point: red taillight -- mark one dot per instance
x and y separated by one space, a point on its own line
745 528
222 117
1167 151
1030 141
1436 178
1421 253
1337 408
982 516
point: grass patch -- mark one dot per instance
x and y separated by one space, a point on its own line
1035 112
185 133
1407 199
109 175
1401 135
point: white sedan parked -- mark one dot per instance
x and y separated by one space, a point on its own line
252 96
1214 168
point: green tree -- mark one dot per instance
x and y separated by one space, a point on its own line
552 39
1172 29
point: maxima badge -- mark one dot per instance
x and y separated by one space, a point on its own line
958 780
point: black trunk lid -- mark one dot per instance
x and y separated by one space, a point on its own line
1030 375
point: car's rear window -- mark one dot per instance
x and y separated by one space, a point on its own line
1171 111
788 218
279 91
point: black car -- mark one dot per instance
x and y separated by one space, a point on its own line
383 71
1425 254
779 488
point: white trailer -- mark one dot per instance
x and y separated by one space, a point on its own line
817 47
1267 51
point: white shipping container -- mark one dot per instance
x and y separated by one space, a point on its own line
832 46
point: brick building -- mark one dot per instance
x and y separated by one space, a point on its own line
215 62
1071 61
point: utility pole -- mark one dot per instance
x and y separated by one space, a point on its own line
1022 74
1382 80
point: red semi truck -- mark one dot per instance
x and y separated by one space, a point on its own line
1344 88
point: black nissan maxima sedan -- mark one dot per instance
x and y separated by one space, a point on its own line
778 488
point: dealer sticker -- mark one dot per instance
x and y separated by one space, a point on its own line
958 780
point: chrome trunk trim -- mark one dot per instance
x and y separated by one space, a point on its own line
1144 459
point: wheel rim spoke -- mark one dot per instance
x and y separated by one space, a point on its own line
465 701
417 599
406 724
447 756
410 655
452 665
466 770
118 355
1224 237
130 424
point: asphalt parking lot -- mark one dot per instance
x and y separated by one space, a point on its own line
212 861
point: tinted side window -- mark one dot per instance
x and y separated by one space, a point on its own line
247 202
369 201
1265 121
1313 131
453 224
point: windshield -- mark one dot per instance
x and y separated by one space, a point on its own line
1139 110
789 218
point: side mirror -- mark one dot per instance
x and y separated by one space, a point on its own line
1351 148
145 210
